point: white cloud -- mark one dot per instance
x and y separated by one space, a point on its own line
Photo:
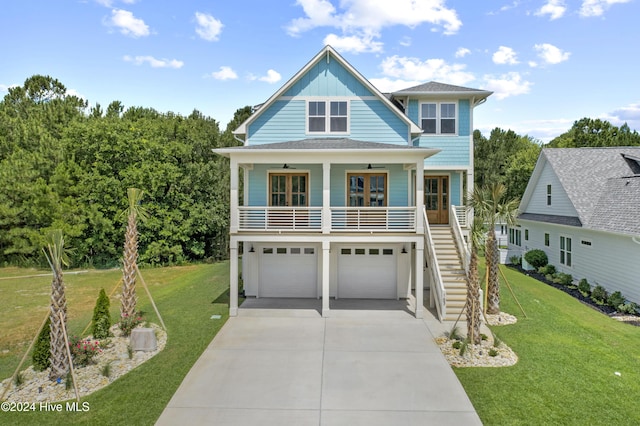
128 24
629 114
533 64
364 19
505 55
387 85
6 87
109 3
413 69
462 52
225 73
354 43
597 7
406 41
209 28
155 63
505 85
272 76
554 8
551 54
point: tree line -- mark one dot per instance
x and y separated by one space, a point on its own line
64 165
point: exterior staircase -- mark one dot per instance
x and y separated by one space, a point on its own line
451 271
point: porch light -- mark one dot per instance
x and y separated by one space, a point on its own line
404 250
285 166
251 250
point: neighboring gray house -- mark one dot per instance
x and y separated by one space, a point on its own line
582 207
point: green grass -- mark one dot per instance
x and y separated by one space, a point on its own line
186 297
568 356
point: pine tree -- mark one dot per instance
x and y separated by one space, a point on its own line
101 317
42 349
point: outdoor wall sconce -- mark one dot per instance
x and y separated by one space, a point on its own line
251 250
404 250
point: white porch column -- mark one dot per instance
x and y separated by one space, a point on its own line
233 202
419 264
233 277
325 278
419 197
326 197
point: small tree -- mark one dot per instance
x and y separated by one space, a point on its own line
473 284
101 321
130 257
42 348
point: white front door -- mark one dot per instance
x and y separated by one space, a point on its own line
290 271
367 272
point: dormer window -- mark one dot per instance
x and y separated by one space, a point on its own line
328 117
438 118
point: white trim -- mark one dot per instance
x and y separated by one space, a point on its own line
323 98
288 171
367 171
439 117
571 252
327 117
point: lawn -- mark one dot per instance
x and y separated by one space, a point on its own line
186 297
569 355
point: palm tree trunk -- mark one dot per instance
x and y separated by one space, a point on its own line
493 263
130 259
59 359
473 301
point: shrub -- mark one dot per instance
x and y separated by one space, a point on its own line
515 260
584 287
456 345
628 308
536 258
42 349
83 350
599 294
615 299
101 316
493 352
547 269
128 323
564 279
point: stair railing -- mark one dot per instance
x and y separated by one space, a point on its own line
437 290
461 244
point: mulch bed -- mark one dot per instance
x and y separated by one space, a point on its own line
604 309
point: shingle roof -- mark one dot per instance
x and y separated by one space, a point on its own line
593 181
434 86
327 143
550 218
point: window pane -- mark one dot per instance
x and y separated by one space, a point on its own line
387 251
428 111
448 125
309 251
345 251
316 109
281 250
568 244
429 125
295 250
338 108
267 250
374 251
360 251
338 124
316 124
448 110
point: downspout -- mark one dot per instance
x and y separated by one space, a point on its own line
238 139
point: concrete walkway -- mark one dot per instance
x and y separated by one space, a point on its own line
280 363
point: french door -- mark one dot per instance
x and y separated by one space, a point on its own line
436 199
367 189
288 189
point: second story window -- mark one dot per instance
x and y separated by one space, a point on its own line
548 195
328 117
438 118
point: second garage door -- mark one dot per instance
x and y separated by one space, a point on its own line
288 272
367 273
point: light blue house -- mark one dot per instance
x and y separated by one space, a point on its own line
350 193
581 208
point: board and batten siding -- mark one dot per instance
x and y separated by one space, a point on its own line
328 79
611 260
560 203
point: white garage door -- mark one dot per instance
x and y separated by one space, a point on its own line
367 273
288 272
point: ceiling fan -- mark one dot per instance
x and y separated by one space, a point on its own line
369 167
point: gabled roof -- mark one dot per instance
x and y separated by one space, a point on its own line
601 183
435 88
324 53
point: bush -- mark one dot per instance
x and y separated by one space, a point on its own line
128 323
42 349
628 308
101 316
584 287
456 345
615 299
536 258
493 352
83 350
548 269
599 294
564 279
515 260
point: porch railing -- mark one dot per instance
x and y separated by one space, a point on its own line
437 290
461 244
280 218
380 219
462 214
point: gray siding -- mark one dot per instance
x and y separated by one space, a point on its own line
560 203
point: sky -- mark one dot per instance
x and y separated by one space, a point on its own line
548 62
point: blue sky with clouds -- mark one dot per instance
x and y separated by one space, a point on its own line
548 62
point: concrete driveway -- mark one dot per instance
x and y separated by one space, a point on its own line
289 366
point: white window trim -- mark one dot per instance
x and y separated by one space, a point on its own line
327 107
560 249
588 240
287 171
365 172
439 117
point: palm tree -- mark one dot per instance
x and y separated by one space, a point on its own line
134 212
473 283
491 206
56 256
